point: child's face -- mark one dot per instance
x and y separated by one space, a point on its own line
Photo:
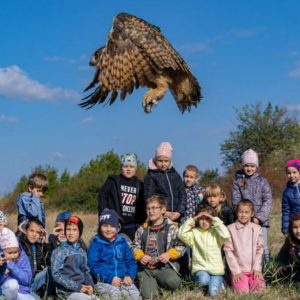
215 200
249 169
155 212
128 171
296 229
36 191
34 232
205 222
190 178
12 254
163 163
244 214
72 233
293 175
108 231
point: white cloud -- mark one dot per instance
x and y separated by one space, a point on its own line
15 83
87 120
296 72
8 119
58 155
295 108
59 58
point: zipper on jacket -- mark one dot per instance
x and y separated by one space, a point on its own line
172 197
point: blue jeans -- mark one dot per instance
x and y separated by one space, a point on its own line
213 282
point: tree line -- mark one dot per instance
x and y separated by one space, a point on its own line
271 131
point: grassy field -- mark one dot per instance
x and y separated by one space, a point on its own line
274 291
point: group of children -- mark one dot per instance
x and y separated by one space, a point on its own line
151 234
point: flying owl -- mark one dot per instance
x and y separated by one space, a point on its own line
137 55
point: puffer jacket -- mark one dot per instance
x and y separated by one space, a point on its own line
290 204
109 259
257 190
167 184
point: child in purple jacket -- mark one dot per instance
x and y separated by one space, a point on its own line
16 281
250 185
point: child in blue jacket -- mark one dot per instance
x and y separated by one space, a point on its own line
69 265
291 195
111 261
29 204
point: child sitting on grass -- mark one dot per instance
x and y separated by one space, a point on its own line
36 252
16 281
205 234
111 261
157 250
289 255
244 251
69 265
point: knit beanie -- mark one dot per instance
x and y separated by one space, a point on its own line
8 239
110 216
250 157
3 218
293 163
164 149
77 221
63 216
128 159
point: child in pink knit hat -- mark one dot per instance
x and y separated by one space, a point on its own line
250 185
163 180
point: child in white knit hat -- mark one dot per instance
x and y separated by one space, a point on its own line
250 185
16 281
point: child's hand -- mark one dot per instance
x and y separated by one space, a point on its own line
2 259
145 259
237 278
255 220
89 289
168 214
164 258
116 281
257 274
175 216
203 214
127 280
20 228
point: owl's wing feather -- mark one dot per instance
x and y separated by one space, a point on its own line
135 55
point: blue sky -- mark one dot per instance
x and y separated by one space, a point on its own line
241 52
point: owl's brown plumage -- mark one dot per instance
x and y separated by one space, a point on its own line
136 54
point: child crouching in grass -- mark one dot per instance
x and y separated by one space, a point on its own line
69 265
205 234
111 261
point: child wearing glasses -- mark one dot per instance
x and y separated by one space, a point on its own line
157 250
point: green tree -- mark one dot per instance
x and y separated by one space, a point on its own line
264 130
65 177
208 176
